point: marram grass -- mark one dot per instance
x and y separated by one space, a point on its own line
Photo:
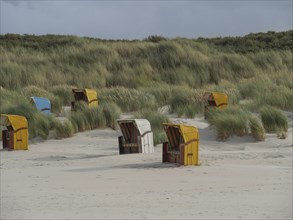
274 120
256 128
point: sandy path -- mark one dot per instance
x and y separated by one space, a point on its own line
83 177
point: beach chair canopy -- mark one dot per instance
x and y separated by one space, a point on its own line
183 139
216 99
19 127
42 104
137 131
87 95
134 127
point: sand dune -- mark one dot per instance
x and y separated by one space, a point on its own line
83 177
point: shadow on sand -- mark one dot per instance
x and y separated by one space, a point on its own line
63 158
154 165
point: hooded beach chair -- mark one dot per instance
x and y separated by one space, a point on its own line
137 136
215 100
16 135
89 96
182 145
42 104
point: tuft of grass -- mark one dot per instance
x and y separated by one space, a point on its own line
229 121
63 129
42 125
189 110
111 113
128 99
256 128
186 102
277 96
10 98
274 120
180 97
161 92
269 90
91 118
79 121
64 92
80 106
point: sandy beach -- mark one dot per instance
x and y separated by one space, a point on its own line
84 177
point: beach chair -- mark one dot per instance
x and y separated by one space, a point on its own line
182 145
215 100
15 136
137 136
89 96
42 104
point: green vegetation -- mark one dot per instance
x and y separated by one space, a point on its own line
128 99
275 90
48 61
63 129
91 118
111 113
235 121
256 128
254 42
274 121
143 76
186 102
64 93
229 121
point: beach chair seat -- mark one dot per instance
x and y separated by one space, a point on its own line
182 145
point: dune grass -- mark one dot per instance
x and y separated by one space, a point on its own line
64 129
79 121
274 90
256 128
235 121
146 75
186 102
64 93
274 121
229 121
240 121
48 61
87 118
128 99
111 113
188 110
10 98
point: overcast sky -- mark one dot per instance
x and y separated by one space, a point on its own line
139 19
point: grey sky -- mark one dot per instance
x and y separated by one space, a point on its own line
139 19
